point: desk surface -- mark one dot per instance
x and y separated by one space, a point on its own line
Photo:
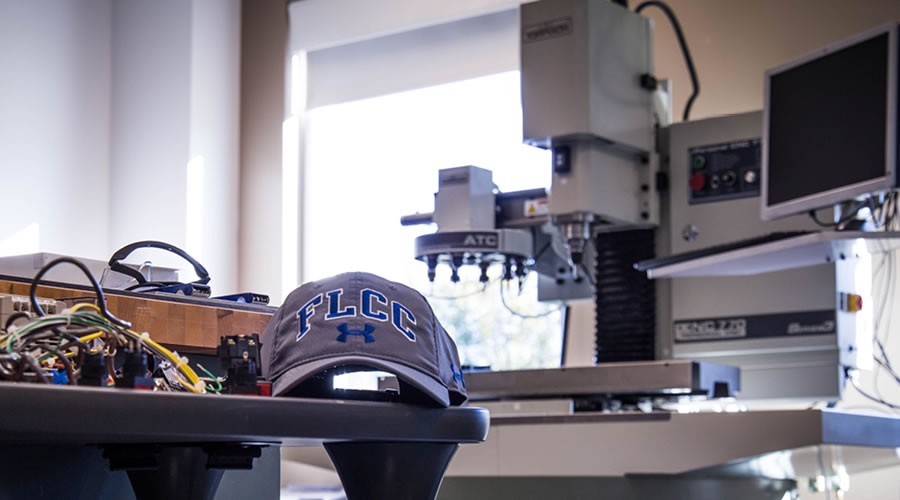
83 415
674 443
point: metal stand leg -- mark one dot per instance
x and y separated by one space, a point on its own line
398 471
178 472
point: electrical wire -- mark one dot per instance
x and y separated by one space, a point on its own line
101 299
151 284
45 337
215 378
871 397
180 364
685 52
13 317
851 214
521 315
464 295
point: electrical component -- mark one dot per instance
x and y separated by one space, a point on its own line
851 302
82 345
93 371
135 370
11 304
239 357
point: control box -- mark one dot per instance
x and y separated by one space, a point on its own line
780 328
724 171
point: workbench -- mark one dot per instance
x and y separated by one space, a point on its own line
175 445
758 454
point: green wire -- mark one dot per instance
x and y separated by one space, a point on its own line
219 388
55 350
75 318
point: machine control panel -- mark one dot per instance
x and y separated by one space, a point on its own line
724 171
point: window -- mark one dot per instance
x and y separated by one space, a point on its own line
371 161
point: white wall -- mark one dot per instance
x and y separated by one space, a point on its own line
102 105
175 100
215 136
55 126
151 111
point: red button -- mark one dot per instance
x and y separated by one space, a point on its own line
697 182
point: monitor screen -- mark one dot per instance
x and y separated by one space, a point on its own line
827 127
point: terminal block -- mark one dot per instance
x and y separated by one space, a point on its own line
239 357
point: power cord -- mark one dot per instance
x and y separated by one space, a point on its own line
689 62
101 299
521 315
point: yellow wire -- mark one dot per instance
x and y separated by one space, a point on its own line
92 336
78 307
176 362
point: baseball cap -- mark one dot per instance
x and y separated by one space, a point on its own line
361 320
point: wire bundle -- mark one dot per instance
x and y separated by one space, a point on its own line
56 348
884 216
48 343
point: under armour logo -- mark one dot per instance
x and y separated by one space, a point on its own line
365 332
458 376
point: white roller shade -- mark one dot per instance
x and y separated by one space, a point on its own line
321 24
419 58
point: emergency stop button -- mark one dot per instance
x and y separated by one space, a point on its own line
697 182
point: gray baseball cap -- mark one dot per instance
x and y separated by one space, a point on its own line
359 319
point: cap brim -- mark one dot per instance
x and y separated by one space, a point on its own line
428 385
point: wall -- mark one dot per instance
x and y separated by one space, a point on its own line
55 126
213 208
734 41
175 108
150 120
263 62
102 106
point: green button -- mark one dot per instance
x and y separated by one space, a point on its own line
699 161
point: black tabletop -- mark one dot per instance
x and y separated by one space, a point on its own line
34 413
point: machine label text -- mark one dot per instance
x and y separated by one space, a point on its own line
546 30
755 326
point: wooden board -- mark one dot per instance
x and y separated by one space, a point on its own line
187 327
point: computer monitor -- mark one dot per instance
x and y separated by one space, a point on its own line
830 125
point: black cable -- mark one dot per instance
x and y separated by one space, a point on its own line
684 50
540 252
152 284
567 313
5 371
845 219
524 316
101 299
39 335
16 370
13 317
462 296
36 368
871 397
